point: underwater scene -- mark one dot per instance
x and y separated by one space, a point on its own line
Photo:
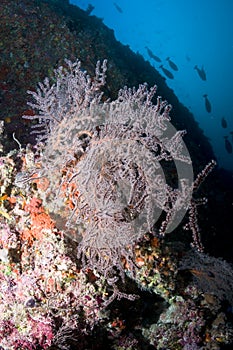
190 44
116 175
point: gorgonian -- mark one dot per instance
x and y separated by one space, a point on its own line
114 169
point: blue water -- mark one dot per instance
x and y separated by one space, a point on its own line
191 33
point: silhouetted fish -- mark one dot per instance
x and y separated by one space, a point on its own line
150 53
172 64
167 72
89 9
224 123
207 103
201 72
118 8
231 132
228 145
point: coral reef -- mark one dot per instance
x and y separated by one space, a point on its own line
41 287
37 35
57 292
174 298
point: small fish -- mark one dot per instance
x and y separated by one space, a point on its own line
201 72
172 64
231 132
118 8
167 72
150 53
228 145
224 123
207 103
89 9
